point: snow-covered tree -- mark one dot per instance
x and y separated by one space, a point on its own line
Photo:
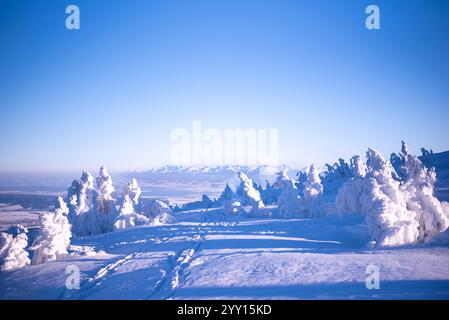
227 194
80 194
333 177
231 206
158 212
358 167
132 189
13 245
313 194
288 202
432 215
127 216
269 194
349 195
54 234
389 221
104 203
80 198
248 195
378 196
398 163
301 179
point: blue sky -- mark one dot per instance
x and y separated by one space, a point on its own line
111 92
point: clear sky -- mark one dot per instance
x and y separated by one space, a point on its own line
111 92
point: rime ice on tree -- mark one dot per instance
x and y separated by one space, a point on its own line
288 201
13 245
396 213
248 195
130 210
54 234
313 194
80 198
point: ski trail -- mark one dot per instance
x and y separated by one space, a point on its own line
172 278
106 271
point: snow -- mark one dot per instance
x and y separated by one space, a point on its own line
127 216
288 201
397 212
80 199
130 212
248 195
254 258
54 235
313 194
13 245
159 212
279 242
104 204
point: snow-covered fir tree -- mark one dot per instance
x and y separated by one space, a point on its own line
228 200
130 212
132 189
270 194
54 234
226 194
288 202
80 197
158 212
313 194
13 244
301 178
248 195
398 163
389 221
377 196
418 189
104 203
349 195
127 216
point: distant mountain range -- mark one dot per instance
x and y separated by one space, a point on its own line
210 174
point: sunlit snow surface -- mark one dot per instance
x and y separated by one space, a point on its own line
206 257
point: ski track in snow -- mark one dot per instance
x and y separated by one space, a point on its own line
107 271
252 258
172 278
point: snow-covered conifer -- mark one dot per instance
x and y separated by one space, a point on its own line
288 201
389 221
269 194
80 198
13 245
432 215
54 234
313 194
378 196
227 194
104 203
127 216
132 189
248 195
349 195
158 212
